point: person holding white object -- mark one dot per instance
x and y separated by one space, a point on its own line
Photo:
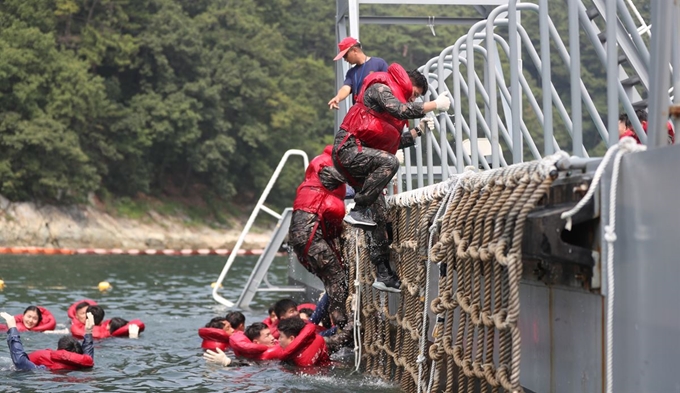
364 148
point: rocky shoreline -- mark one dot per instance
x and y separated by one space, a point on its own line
25 224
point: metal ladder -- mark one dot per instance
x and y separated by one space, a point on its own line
261 268
634 50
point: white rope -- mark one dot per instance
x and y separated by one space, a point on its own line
593 186
414 197
357 306
434 228
625 146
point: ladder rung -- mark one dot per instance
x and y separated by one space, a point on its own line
281 289
631 81
640 104
593 13
602 36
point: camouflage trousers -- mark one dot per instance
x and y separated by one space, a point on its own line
372 169
321 257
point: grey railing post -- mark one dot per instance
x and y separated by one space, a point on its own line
575 78
545 78
515 93
660 57
612 73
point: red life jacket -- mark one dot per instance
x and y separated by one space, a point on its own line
379 130
306 305
124 331
46 323
307 349
72 308
631 133
243 347
60 359
313 197
214 338
98 331
273 327
268 321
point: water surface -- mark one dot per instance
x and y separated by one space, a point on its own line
172 296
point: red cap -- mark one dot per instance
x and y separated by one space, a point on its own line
344 46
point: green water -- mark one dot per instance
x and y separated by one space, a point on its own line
172 296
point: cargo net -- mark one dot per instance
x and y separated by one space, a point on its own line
470 229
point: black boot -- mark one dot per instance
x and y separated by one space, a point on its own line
386 279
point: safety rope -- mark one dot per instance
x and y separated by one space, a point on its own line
625 146
471 226
433 230
357 302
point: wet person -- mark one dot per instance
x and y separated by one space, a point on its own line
364 152
69 355
119 327
272 319
215 334
316 225
236 320
81 311
284 308
303 346
34 319
256 343
101 327
306 313
363 66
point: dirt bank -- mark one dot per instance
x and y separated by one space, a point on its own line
85 226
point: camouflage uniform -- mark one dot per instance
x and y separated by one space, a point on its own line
323 258
371 169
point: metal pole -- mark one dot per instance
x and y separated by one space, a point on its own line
472 98
457 110
612 73
660 57
354 18
545 76
515 92
676 68
492 60
575 79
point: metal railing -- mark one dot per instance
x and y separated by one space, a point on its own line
475 69
256 211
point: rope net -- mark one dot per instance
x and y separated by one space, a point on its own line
470 229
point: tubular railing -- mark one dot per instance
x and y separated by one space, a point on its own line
258 207
477 90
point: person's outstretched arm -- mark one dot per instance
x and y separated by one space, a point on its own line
343 93
321 309
380 98
16 348
88 345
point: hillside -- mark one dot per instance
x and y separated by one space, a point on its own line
95 225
